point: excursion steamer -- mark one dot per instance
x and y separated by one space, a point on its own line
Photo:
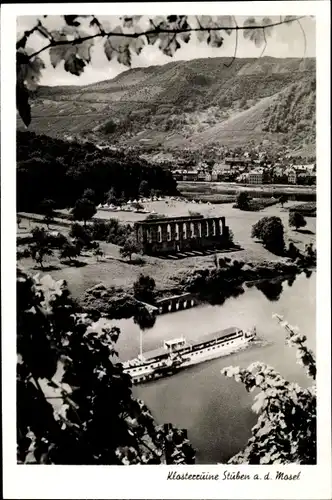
177 354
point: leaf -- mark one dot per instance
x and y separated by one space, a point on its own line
33 72
172 19
71 20
213 38
169 44
225 22
61 52
257 34
22 103
21 42
185 36
108 49
289 19
124 57
265 22
84 50
96 22
137 44
74 65
117 45
152 38
129 21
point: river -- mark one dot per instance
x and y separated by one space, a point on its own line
214 409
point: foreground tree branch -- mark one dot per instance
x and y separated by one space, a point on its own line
72 45
156 30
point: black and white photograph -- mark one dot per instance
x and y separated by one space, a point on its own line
167 212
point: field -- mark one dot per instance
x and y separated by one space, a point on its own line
112 270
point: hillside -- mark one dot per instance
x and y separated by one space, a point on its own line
188 103
53 169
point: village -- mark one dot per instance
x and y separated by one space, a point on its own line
245 170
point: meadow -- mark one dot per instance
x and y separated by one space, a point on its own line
118 272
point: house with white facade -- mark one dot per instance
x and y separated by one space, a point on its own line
255 176
291 175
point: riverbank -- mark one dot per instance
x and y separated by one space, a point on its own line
219 190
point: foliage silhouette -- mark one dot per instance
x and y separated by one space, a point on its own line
67 374
285 432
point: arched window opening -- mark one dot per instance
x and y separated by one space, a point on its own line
169 235
184 228
207 228
159 234
177 231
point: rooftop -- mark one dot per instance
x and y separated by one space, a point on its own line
171 219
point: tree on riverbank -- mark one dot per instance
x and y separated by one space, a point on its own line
243 200
144 289
66 418
270 231
296 220
285 431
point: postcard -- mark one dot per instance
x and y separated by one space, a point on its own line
166 220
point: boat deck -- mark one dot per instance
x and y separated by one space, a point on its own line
161 351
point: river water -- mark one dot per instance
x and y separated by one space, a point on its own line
214 409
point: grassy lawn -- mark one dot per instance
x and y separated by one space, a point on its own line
112 270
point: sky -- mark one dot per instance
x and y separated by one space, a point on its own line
286 41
